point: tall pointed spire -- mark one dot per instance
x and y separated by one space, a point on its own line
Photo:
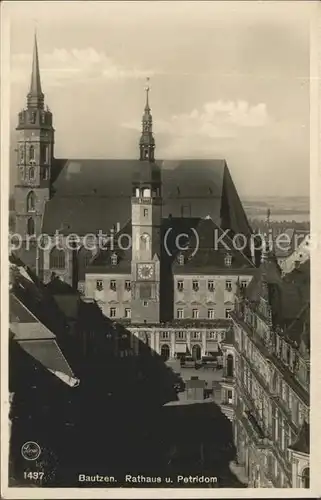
147 141
147 89
35 97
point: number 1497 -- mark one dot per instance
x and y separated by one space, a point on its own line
37 476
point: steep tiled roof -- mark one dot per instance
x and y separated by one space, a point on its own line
35 320
93 195
302 442
299 329
286 296
207 251
102 261
202 255
268 272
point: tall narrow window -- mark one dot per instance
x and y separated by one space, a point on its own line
211 314
57 258
145 241
31 153
180 313
31 199
195 313
21 154
30 226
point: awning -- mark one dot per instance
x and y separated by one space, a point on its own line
212 347
180 348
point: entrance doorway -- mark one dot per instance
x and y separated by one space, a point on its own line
165 352
196 352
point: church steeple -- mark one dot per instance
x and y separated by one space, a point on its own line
35 98
147 141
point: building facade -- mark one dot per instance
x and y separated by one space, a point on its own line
265 390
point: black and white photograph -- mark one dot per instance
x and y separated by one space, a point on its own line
157 270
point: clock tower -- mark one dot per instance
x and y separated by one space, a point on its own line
146 226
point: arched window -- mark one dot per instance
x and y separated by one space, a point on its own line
31 201
165 352
196 352
57 258
146 193
32 173
31 153
30 226
229 365
306 478
144 241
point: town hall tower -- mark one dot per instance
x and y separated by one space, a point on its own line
146 223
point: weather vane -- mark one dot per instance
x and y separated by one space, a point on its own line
147 88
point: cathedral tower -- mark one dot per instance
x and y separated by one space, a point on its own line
35 154
146 225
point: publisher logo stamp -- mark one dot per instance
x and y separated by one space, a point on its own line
30 450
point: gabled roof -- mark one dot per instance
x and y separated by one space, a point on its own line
269 273
93 195
286 296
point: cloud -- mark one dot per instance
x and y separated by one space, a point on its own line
219 119
214 129
62 66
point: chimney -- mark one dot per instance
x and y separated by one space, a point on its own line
117 227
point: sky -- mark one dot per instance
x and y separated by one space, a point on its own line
228 80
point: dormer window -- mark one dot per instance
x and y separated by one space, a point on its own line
114 259
181 259
228 260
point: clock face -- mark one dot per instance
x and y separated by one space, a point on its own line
145 271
